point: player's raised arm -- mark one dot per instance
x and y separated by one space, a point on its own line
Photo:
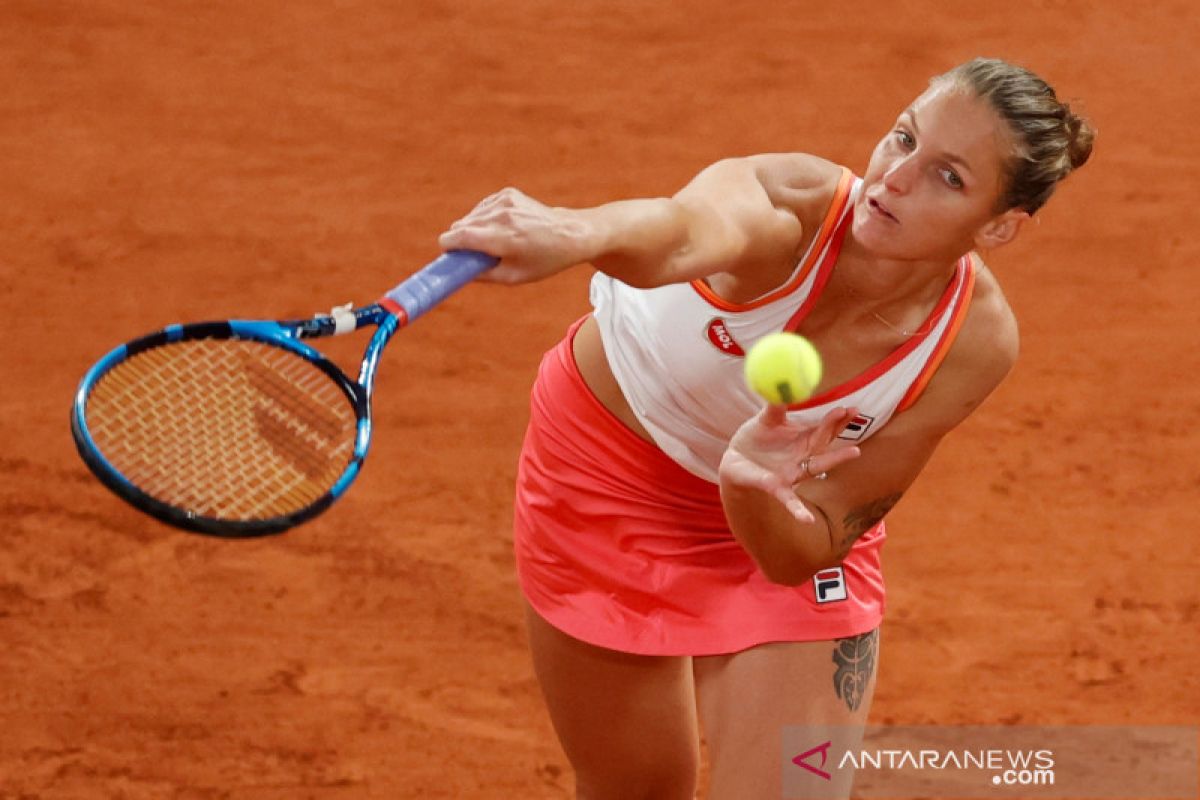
723 218
793 533
818 521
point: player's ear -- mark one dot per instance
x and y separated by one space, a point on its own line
1001 230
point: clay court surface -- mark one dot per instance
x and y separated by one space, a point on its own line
173 161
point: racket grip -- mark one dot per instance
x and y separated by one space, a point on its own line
439 279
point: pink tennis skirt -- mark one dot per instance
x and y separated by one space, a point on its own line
619 546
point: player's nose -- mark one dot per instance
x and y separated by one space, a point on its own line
899 176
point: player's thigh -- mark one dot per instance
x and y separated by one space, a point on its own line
627 723
746 699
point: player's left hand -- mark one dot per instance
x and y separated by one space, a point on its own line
771 453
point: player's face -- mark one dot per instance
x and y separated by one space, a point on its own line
935 179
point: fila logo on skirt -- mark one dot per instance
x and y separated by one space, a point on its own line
829 585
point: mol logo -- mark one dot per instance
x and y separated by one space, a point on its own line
722 339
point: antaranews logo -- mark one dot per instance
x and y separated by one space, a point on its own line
823 749
990 761
999 767
1008 767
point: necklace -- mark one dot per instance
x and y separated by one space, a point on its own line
925 328
907 334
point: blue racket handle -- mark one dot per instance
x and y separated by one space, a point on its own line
435 282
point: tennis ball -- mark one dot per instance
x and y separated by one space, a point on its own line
783 368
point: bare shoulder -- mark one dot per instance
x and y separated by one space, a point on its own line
795 171
982 354
798 181
989 341
792 181
759 207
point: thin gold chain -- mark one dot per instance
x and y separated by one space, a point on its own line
925 328
909 334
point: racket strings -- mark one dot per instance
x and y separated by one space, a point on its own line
225 428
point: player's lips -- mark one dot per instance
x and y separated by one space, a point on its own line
881 210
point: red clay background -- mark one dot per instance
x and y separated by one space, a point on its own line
171 161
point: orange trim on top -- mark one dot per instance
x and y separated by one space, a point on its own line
943 347
897 355
840 196
824 272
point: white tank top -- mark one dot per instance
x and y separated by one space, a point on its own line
676 351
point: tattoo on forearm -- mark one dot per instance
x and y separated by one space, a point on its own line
863 518
855 659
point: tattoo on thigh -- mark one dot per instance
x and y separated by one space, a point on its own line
863 518
855 659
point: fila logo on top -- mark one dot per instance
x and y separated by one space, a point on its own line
857 428
722 339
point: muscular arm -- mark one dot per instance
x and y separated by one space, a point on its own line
858 494
724 217
737 213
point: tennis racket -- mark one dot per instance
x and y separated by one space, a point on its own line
239 428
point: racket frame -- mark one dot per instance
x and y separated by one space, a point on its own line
399 307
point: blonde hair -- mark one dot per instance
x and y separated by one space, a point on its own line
1050 141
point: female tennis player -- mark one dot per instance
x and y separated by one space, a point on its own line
669 579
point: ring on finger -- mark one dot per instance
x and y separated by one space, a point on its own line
806 466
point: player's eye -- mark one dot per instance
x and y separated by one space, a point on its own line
906 140
951 178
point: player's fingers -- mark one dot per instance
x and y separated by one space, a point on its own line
502 277
830 426
473 237
488 207
773 415
510 271
497 217
505 197
834 458
848 415
473 214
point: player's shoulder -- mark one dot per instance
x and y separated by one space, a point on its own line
797 181
981 356
795 170
990 336
800 182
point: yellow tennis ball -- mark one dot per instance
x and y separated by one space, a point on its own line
783 368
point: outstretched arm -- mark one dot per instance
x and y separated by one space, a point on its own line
725 217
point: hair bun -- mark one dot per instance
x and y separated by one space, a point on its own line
1049 142
1080 135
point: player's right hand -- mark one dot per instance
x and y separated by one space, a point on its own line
532 240
771 453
